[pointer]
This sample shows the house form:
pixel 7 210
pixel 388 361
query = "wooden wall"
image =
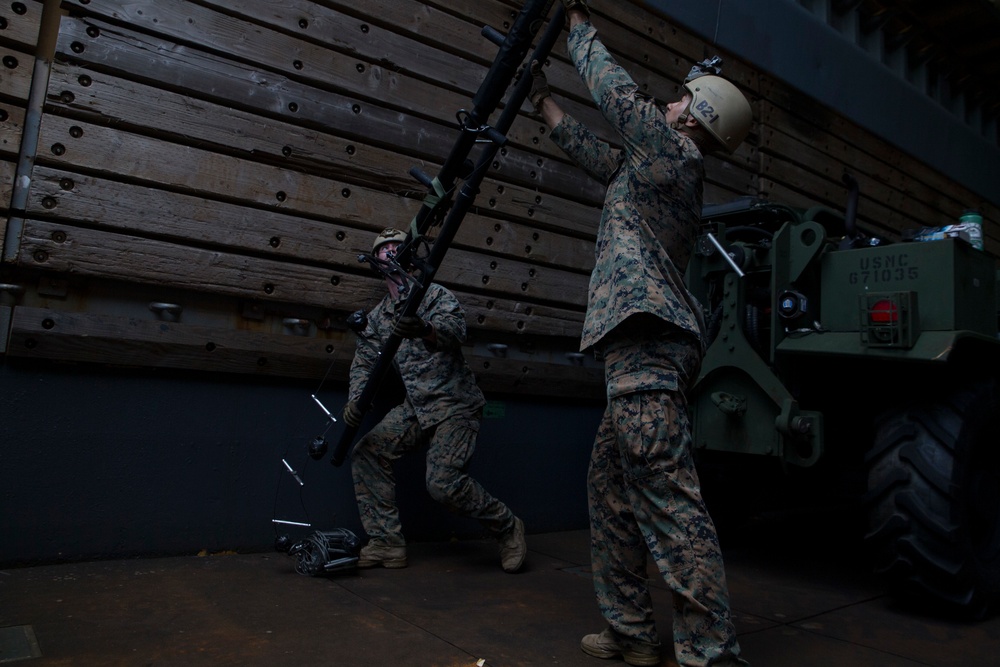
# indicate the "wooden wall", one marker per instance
pixel 207 171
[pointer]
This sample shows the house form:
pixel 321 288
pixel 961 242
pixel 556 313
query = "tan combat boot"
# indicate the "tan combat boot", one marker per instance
pixel 513 548
pixel 606 645
pixel 374 554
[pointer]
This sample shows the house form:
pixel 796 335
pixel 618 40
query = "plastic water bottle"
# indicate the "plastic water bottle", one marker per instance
pixel 972 223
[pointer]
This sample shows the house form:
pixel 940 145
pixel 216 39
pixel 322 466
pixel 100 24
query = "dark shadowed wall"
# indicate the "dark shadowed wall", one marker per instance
pixel 109 464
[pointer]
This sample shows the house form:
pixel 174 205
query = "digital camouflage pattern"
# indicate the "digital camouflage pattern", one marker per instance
pixel 653 204
pixel 643 491
pixel 438 381
pixel 645 354
pixel 644 497
pixel 441 411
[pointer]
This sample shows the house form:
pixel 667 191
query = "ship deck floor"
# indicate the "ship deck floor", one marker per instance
pixel 797 600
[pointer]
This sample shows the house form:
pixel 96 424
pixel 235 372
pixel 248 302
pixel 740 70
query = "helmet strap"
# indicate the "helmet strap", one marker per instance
pixel 681 122
pixel 683 118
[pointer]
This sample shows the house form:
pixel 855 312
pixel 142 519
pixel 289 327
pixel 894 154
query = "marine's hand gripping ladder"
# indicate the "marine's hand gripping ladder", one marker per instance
pixel 474 127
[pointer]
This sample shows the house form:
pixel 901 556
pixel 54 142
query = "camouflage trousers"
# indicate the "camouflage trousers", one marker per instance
pixel 645 499
pixel 450 446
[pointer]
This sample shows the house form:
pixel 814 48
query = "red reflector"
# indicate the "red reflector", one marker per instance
pixel 883 311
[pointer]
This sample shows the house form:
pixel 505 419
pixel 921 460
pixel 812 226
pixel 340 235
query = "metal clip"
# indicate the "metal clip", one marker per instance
pixel 497 349
pixel 166 311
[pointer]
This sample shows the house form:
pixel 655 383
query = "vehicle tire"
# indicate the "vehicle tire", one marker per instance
pixel 934 501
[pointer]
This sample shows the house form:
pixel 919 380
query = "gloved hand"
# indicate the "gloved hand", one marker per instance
pixel 576 4
pixel 352 415
pixel 539 85
pixel 412 326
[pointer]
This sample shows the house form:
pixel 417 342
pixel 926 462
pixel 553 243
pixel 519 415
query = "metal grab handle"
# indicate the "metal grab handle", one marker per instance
pixel 725 254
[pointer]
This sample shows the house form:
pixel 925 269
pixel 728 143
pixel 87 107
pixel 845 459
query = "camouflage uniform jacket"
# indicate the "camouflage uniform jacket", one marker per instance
pixel 439 383
pixel 653 203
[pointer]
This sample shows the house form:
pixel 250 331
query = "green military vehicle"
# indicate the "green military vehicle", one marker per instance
pixel 831 348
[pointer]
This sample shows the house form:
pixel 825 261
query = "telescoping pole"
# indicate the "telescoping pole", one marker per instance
pixel 505 67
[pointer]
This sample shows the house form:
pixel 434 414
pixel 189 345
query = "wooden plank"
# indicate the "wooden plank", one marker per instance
pixel 78 199
pixel 238 40
pixel 881 206
pixel 563 78
pixel 403 37
pixel 618 17
pixel 351 57
pixel 95 148
pixel 11 128
pixel 542 177
pixel 66 143
pixel 86 252
pixel 508 278
pixel 660 29
pixel 725 174
pixel 881 220
pixel 109 100
pixel 527 378
pixel 657 56
pixel 159 262
pixel 55 247
pixel 453 29
pixel 544 210
pixel 822 125
pixel 888 209
pixel 238 86
pixel 133 55
pixel 520 317
pixel 734 176
pixel 20 22
pixel 645 46
pixel 219 147
pixel 45 333
pixel 405 56
pixel 7 171
pixel 815 122
pixel 15 77
pixel 81 199
pixel 449 52
pixel 11 131
pixel 780 192
pixel 135 105
pixel 881 181
pixel 498 238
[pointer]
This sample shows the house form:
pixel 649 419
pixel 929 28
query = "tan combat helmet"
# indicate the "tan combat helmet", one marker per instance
pixel 387 235
pixel 720 108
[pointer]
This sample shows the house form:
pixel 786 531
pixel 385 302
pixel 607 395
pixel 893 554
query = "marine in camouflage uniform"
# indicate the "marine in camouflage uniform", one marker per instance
pixel 441 411
pixel 643 491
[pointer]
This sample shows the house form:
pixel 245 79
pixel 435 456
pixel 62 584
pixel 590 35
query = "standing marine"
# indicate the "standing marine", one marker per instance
pixel 643 490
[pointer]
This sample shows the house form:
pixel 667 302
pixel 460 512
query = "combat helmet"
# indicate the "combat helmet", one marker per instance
pixel 387 235
pixel 717 104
